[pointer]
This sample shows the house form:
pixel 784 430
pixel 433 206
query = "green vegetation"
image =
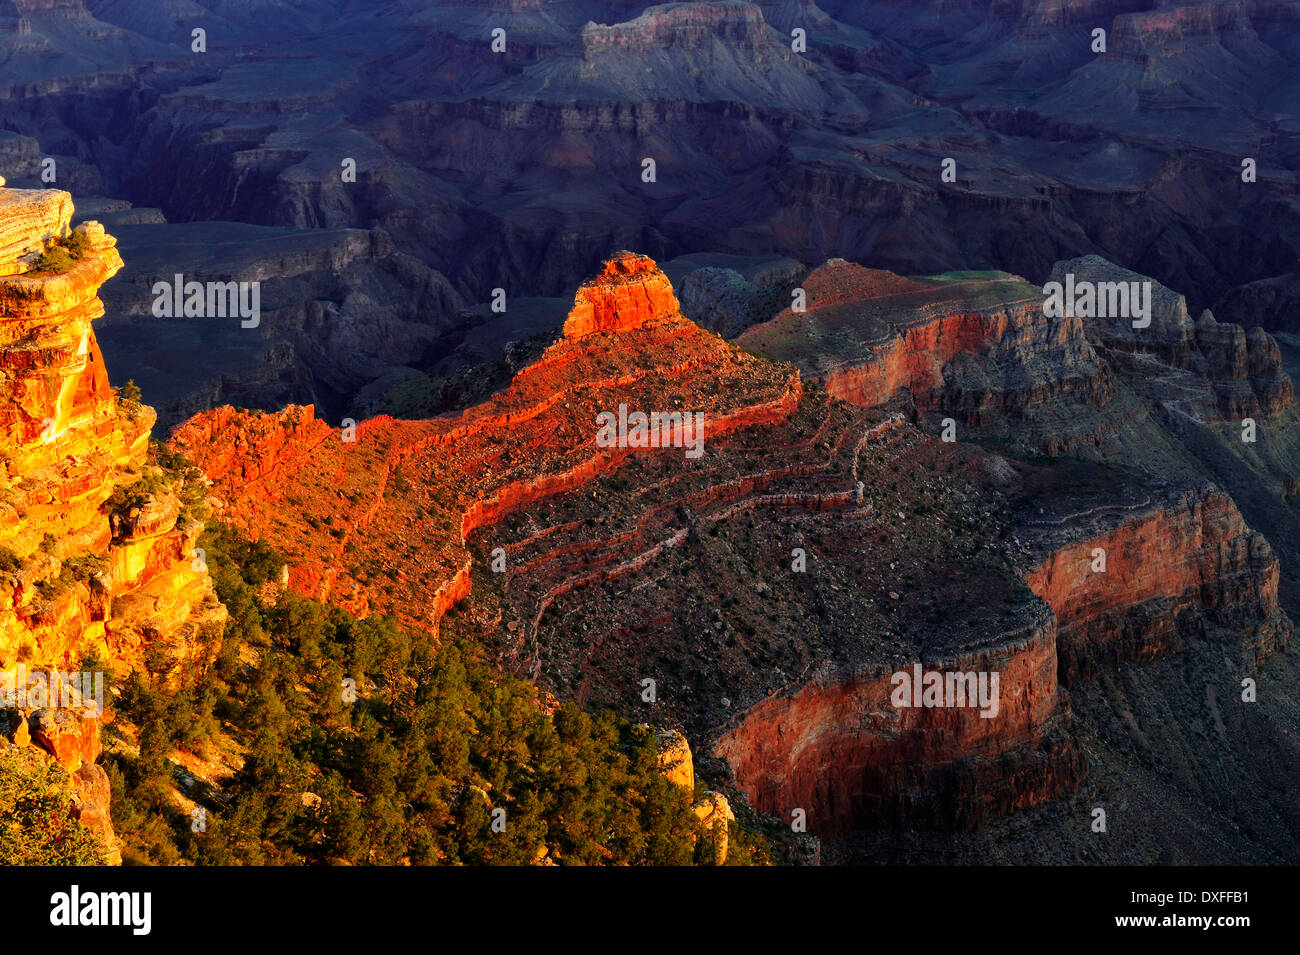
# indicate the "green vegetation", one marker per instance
pixel 9 561
pixel 412 769
pixel 167 472
pixel 127 497
pixel 36 821
pixel 187 481
pixel 62 254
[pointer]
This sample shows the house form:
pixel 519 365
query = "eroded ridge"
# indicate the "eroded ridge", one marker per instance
pixel 380 523
pixel 973 346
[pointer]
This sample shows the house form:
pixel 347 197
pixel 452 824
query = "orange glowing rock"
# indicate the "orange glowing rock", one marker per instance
pixel 66 444
pixel 380 523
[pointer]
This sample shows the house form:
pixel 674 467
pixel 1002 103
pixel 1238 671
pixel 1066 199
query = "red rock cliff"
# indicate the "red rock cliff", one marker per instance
pixel 1190 564
pixel 973 346
pixel 406 495
pixel 840 750
pixel 84 570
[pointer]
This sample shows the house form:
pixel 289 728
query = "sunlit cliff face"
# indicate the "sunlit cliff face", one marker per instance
pixel 367 496
pixel 67 444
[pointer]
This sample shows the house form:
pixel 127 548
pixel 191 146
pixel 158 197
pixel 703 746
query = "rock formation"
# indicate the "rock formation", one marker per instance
pixel 774 588
pixel 712 808
pixel 1173 396
pixel 675 760
pixel 715 816
pixel 1129 579
pixel 1178 564
pixel 630 292
pixel 975 347
pixel 97 560
pixel 980 348
pixel 1238 372
pixel 341 505
pixel 27 221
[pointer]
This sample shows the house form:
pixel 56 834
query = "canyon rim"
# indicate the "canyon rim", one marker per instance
pixel 539 433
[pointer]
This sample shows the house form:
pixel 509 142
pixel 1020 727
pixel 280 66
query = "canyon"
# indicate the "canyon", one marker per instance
pixel 825 540
pixel 907 461
pixel 520 170
pixel 768 590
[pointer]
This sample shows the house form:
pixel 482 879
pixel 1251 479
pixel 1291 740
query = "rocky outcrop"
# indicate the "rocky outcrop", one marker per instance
pixel 675 760
pixel 96 560
pixel 93 795
pixel 1133 581
pixel 974 347
pixel 666 41
pixel 716 817
pixel 29 220
pixel 841 750
pixel 67 735
pixel 79 560
pixel 681 25
pixel 1147 36
pixel 630 292
pixel 1238 371
pixel 332 503
pixel 71 739
pixel 712 809
pixel 986 351
pixel 263 444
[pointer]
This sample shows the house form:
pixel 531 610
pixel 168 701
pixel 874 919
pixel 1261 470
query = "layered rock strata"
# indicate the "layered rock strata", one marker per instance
pixel 1214 371
pixel 343 505
pixel 96 560
pixel 974 347
pixel 772 588
pixel 1131 580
